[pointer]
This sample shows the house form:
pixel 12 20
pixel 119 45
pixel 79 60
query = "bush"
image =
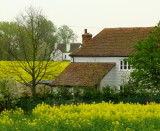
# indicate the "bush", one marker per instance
pixel 140 100
pixel 128 90
pixel 27 104
pixel 43 92
pixel 91 93
pixel 63 93
pixel 77 92
pixel 10 93
pixel 110 94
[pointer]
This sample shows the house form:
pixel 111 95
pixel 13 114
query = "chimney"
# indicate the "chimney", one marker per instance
pixel 86 37
pixel 68 47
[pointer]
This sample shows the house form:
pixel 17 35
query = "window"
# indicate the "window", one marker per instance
pixel 121 88
pixel 121 65
pixel 129 67
pixel 124 65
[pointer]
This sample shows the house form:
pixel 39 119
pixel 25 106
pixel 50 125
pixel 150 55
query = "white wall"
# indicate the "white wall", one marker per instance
pixel 56 55
pixel 66 56
pixel 115 77
pixel 59 56
pixel 68 47
pixel 99 59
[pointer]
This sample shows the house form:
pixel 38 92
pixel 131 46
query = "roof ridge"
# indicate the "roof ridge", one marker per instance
pixel 129 27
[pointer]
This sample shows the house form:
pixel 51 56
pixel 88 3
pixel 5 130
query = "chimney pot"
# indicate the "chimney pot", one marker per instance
pixel 86 37
pixel 85 31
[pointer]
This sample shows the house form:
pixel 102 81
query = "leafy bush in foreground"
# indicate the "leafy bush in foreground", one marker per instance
pixel 84 117
pixel 9 93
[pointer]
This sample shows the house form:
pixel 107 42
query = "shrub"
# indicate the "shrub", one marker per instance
pixel 63 93
pixel 128 90
pixel 77 92
pixel 10 93
pixel 109 93
pixel 43 91
pixel 91 93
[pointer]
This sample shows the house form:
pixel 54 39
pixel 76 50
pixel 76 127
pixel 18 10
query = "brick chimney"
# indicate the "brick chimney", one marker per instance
pixel 86 37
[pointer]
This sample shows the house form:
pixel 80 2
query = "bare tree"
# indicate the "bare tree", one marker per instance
pixel 35 41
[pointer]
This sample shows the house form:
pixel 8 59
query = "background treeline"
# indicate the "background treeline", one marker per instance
pixel 17 37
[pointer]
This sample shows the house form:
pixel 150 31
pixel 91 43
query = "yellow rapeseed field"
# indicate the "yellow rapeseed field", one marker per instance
pixel 84 117
pixel 7 68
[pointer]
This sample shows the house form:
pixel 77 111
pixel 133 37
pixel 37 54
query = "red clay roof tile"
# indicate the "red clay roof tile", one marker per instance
pixel 113 42
pixel 83 74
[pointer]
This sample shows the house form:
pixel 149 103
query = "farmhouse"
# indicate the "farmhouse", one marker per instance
pixel 101 59
pixel 62 51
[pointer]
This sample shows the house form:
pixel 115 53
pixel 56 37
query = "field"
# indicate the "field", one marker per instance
pixel 11 68
pixel 84 117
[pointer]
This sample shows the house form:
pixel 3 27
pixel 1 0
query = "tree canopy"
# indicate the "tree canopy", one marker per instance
pixel 66 35
pixel 146 61
pixel 8 37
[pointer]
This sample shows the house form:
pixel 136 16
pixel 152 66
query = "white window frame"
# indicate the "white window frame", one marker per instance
pixel 123 65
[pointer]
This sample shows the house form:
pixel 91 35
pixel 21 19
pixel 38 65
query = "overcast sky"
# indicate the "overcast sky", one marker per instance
pixel 91 14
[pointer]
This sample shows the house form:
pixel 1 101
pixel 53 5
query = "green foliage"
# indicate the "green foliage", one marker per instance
pixel 146 61
pixel 77 92
pixel 43 92
pixel 91 93
pixel 9 92
pixel 108 93
pixel 8 36
pixel 63 93
pixel 65 34
pixel 128 90
pixel 27 104
pixel 36 36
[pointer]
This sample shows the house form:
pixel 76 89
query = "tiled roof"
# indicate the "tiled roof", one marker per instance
pixel 113 42
pixel 73 46
pixel 83 74
pixel 62 47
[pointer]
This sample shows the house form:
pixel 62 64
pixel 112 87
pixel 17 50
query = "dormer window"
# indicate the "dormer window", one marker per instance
pixel 124 65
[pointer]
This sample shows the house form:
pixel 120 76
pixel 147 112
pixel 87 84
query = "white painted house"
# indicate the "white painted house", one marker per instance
pixel 62 51
pixel 101 60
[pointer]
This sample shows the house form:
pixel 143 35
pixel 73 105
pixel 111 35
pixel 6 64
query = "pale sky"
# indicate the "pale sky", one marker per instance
pixel 93 15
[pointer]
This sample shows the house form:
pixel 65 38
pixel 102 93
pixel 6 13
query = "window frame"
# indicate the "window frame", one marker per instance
pixel 124 65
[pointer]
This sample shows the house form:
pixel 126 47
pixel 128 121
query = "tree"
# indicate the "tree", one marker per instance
pixel 35 41
pixel 8 35
pixel 146 61
pixel 65 35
